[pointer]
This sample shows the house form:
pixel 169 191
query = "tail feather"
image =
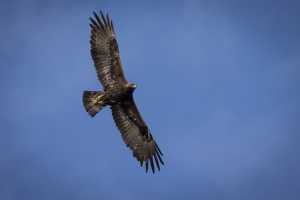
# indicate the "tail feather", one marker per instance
pixel 90 102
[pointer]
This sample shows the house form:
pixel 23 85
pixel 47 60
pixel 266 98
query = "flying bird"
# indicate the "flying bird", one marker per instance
pixel 118 94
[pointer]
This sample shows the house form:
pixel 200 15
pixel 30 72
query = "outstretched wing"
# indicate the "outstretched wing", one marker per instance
pixel 105 52
pixel 136 134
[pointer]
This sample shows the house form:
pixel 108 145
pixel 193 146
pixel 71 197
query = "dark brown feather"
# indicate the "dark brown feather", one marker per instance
pixel 98 19
pixel 112 26
pixel 107 18
pixel 103 18
pixel 136 134
pixel 147 163
pixel 157 163
pixel 105 53
pixel 93 22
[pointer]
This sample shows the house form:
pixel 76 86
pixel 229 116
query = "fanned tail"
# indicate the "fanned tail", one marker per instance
pixel 92 102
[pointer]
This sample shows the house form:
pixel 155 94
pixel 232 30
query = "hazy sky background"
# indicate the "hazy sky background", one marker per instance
pixel 218 83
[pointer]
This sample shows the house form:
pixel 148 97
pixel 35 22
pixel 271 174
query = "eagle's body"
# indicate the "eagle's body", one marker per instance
pixel 118 94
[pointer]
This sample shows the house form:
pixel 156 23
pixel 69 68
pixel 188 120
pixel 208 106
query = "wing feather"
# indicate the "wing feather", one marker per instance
pixel 147 163
pixel 107 18
pixel 112 26
pixel 103 18
pixel 157 163
pixel 136 134
pixel 98 19
pixel 105 52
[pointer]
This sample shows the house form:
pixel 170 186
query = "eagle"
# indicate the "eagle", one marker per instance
pixel 118 94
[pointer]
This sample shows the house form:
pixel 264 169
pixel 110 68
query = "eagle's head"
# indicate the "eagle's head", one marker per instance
pixel 131 86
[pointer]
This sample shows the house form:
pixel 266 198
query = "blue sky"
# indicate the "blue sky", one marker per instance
pixel 217 84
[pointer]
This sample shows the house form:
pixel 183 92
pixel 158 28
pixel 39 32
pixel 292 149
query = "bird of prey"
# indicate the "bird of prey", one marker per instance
pixel 118 94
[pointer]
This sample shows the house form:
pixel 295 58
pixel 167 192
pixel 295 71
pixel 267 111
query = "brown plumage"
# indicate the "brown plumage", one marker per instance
pixel 118 94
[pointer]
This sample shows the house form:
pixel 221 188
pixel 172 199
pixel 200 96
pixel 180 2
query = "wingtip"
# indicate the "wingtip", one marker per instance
pixel 141 163
pixel 146 164
pixel 103 18
pixel 152 165
pixel 95 14
pixel 93 21
pixel 156 161
pixel 160 158
pixel 107 19
pixel 158 149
